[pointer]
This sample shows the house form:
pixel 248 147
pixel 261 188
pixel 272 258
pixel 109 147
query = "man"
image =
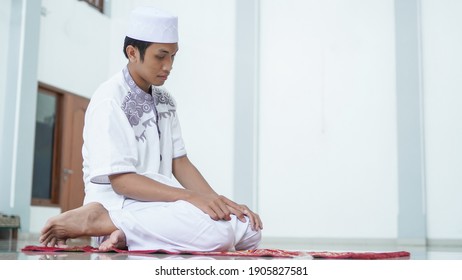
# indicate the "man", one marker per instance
pixel 132 146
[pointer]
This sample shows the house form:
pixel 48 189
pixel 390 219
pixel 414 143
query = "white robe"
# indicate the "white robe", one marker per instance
pixel 129 130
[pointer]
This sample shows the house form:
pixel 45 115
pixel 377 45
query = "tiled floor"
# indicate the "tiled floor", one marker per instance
pixel 11 250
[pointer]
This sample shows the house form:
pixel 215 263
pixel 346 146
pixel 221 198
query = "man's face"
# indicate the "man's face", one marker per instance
pixel 156 66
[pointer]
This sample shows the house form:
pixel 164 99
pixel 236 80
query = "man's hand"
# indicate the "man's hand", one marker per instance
pixel 205 198
pixel 219 207
pixel 241 210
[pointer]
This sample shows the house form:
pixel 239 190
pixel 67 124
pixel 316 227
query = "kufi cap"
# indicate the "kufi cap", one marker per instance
pixel 153 25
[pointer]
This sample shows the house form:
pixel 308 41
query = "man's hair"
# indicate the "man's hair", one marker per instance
pixel 140 45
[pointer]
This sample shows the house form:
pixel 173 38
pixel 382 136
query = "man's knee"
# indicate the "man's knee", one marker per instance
pixel 224 240
pixel 249 241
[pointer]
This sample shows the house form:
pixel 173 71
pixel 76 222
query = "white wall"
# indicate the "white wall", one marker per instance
pixel 442 72
pixel 327 119
pixel 4 33
pixel 74 44
pixel 203 84
pixel 18 108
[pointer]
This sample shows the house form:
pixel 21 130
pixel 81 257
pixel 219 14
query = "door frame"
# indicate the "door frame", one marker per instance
pixel 62 149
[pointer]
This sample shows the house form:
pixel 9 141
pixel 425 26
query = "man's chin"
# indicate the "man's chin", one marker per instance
pixel 158 84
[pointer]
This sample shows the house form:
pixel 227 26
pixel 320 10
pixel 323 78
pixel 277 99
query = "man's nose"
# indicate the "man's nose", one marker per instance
pixel 168 65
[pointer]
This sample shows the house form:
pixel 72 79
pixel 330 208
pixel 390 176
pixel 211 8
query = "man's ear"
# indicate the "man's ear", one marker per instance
pixel 132 53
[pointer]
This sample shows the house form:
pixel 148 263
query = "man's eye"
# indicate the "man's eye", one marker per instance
pixel 160 57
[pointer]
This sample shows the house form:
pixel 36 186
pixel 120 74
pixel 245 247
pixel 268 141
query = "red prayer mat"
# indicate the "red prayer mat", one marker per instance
pixel 274 253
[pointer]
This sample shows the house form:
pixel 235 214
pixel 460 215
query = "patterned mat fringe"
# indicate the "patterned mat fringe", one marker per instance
pixel 274 253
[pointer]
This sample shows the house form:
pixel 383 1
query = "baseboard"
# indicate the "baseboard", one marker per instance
pixel 329 241
pixel 398 242
pixel 437 242
pixel 412 241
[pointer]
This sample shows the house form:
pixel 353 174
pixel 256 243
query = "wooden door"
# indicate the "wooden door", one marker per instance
pixel 72 186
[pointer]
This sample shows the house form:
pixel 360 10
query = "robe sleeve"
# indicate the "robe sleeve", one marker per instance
pixel 179 149
pixel 110 142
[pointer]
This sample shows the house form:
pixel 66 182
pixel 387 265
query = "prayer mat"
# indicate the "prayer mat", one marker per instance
pixel 274 253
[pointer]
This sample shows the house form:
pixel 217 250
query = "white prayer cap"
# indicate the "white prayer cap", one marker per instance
pixel 153 25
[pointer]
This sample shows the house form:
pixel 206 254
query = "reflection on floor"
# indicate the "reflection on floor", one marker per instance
pixel 10 249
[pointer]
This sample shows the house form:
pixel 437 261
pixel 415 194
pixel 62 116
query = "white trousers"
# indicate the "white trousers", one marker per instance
pixel 180 226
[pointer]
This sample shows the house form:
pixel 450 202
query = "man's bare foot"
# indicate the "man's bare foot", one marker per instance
pixel 87 220
pixel 116 240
